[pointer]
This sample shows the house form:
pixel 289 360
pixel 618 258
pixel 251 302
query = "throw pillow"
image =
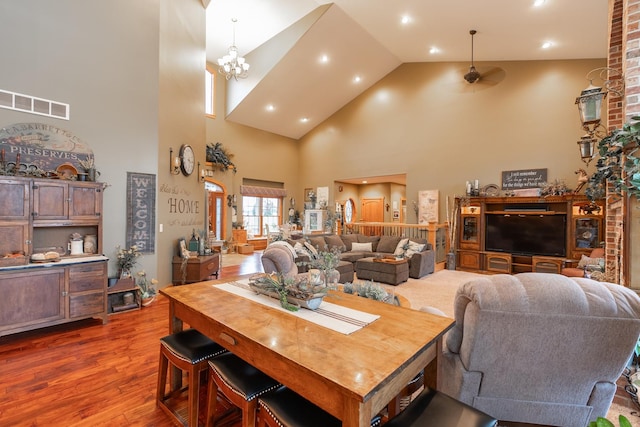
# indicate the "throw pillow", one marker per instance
pixel 586 261
pixel 388 244
pixel 366 239
pixel 318 243
pixel 361 247
pixel 413 248
pixel 312 250
pixel 334 241
pixel 301 250
pixel 348 240
pixel 401 248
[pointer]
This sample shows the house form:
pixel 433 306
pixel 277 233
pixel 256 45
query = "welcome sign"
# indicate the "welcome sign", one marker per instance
pixel 141 211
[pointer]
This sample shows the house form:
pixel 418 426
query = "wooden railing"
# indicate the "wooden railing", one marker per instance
pixel 436 234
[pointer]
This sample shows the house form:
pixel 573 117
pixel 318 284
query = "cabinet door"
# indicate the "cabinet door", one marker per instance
pixel 87 289
pixel 50 200
pixel 85 201
pixel 470 232
pixel 31 297
pixel 14 237
pixel 14 195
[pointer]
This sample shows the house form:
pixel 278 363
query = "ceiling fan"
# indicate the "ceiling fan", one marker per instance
pixel 473 75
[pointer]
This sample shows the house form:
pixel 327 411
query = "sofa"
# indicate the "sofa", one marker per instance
pixel 539 348
pixel 419 252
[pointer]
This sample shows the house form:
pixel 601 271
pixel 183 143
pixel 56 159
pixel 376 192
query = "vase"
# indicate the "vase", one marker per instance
pixel 331 277
pixel 451 261
pixel 125 273
pixel 147 301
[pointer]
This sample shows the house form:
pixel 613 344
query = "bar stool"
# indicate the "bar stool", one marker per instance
pixel 403 399
pixel 240 383
pixel 285 408
pixel 432 408
pixel 186 350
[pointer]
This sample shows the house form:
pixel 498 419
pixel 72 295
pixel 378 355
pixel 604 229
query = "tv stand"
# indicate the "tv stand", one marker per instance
pixel 584 232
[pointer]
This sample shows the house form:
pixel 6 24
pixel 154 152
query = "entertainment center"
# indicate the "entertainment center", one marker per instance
pixel 523 234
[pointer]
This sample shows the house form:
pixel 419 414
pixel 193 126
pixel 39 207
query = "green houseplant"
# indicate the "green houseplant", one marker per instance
pixel 618 164
pixel 603 422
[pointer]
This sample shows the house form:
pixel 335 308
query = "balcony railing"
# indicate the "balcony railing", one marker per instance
pixel 436 234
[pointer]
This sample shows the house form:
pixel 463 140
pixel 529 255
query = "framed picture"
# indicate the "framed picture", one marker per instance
pixel 183 252
pixel 396 213
pixel 308 192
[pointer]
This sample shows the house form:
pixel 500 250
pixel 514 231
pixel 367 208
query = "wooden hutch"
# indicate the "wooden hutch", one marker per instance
pixel 583 230
pixel 38 215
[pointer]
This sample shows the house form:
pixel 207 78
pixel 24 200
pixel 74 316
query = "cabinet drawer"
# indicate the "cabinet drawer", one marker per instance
pixel 87 277
pixel 86 304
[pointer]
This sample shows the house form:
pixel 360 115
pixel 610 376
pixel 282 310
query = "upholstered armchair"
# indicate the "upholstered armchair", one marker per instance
pixel 279 257
pixel 539 348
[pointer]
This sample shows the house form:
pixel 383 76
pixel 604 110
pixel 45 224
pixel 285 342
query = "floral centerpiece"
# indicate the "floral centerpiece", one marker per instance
pixel 371 290
pixel 146 287
pixel 126 260
pixel 292 292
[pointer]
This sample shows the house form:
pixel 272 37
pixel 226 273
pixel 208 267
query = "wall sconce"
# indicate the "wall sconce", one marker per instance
pixel 586 145
pixel 174 163
pixel 231 200
pixel 590 107
pixel 201 173
pixel 292 202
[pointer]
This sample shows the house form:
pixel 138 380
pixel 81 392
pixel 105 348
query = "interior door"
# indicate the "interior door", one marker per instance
pixel 372 211
pixel 216 209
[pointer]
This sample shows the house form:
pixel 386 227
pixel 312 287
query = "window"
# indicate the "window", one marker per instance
pixel 348 211
pixel 261 214
pixel 209 92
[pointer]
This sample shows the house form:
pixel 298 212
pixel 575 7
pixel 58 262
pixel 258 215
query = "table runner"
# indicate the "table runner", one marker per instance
pixel 332 316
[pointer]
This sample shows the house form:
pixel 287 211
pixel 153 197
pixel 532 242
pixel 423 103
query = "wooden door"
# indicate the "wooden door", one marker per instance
pixel 216 209
pixel 372 211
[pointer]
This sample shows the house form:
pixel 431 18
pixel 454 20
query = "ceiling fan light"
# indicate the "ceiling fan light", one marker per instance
pixel 472 76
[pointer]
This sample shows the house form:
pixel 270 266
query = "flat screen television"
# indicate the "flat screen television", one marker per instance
pixel 526 234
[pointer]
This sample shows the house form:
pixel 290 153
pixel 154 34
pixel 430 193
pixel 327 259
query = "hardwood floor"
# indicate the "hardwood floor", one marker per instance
pixel 88 374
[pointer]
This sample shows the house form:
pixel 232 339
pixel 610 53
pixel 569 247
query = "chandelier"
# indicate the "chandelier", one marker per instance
pixel 232 64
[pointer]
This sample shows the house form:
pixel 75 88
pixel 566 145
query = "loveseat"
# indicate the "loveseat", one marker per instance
pixel 539 348
pixel 353 247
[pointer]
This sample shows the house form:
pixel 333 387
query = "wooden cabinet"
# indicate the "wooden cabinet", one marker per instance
pixel 239 236
pixel 116 302
pixel 39 215
pixel 49 294
pixel 199 268
pixel 523 234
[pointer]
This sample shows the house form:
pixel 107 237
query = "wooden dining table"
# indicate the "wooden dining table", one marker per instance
pixel 352 376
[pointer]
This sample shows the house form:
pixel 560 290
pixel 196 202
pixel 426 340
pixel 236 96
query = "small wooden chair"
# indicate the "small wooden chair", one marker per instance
pixel 187 350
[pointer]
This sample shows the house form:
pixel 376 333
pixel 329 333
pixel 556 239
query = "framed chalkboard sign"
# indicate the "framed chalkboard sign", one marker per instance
pixel 525 178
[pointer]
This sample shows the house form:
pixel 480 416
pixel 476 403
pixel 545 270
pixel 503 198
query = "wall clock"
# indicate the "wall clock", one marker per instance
pixel 187 159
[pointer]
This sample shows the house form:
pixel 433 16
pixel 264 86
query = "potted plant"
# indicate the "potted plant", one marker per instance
pixel 603 422
pixel 146 288
pixel 126 259
pixel 89 167
pixel 326 262
pixel 618 164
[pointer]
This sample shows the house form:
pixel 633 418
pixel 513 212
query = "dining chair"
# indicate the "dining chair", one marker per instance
pixel 188 351
pixel 240 383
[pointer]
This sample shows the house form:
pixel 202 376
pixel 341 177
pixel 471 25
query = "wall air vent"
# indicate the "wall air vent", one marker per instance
pixel 31 104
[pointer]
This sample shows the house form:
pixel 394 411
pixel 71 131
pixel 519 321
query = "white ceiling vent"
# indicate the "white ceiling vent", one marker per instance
pixel 31 104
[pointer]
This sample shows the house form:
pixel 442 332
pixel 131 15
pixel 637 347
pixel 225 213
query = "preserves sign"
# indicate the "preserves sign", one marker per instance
pixel 526 178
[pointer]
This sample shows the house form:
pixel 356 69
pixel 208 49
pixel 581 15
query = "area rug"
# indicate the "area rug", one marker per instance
pixel 229 260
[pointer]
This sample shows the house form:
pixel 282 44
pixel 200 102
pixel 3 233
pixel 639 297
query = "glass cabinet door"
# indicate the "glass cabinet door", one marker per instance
pixel 587 232
pixel 469 229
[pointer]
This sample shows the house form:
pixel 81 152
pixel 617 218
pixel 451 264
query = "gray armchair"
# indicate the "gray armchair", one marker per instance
pixel 539 348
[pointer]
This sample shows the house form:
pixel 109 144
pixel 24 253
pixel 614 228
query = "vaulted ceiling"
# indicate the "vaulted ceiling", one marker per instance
pixel 285 42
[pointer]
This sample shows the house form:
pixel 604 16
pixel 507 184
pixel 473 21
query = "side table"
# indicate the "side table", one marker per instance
pixel 199 268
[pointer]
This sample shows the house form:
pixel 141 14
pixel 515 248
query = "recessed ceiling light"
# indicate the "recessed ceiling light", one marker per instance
pixel 538 3
pixel 304 119
pixel 357 79
pixel 270 107
pixel 547 45
pixel 324 59
pixel 405 19
pixel 434 50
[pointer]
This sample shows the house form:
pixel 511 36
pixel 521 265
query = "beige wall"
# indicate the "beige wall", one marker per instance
pixel 423 120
